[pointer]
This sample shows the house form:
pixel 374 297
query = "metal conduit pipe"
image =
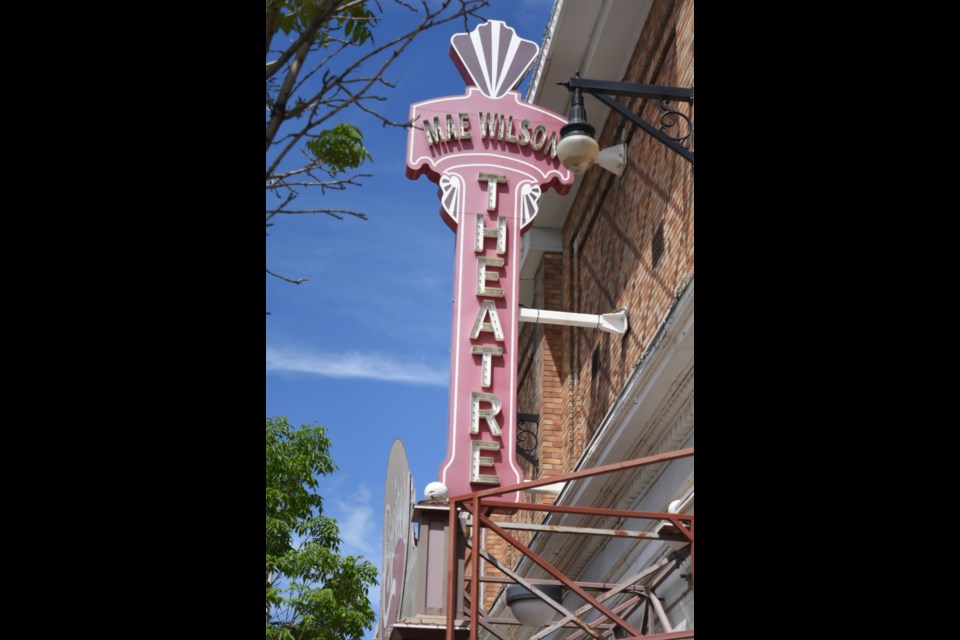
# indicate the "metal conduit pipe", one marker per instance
pixel 615 322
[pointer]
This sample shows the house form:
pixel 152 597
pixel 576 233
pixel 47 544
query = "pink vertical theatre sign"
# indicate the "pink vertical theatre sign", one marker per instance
pixel 491 154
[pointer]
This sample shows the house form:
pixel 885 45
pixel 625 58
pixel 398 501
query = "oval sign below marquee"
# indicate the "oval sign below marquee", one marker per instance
pixel 398 500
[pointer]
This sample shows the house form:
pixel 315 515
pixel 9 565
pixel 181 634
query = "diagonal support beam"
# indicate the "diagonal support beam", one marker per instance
pixel 661 614
pixel 675 635
pixel 576 475
pixel 687 533
pixel 627 606
pixel 483 620
pixel 533 589
pixel 549 568
pixel 674 560
pixel 609 594
pixel 675 146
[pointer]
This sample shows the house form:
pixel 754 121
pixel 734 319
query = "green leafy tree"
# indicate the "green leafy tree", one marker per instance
pixel 321 59
pixel 312 591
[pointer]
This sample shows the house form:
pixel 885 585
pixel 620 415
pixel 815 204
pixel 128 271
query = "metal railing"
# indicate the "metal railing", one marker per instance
pixel 479 505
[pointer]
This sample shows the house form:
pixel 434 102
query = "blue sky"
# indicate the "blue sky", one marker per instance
pixel 363 347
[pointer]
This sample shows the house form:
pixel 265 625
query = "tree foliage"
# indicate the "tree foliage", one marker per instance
pixel 322 57
pixel 312 592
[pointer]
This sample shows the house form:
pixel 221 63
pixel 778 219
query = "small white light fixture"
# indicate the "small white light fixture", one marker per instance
pixel 528 608
pixel 435 491
pixel 613 159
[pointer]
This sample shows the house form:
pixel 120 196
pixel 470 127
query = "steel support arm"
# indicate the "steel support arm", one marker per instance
pixel 646 126
pixel 631 89
pixel 615 322
pixel 602 90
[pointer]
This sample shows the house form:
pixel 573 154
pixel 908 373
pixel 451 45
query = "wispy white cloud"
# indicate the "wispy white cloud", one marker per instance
pixel 369 366
pixel 358 529
pixel 360 532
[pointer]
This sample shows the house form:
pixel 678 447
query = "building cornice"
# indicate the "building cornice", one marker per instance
pixel 654 412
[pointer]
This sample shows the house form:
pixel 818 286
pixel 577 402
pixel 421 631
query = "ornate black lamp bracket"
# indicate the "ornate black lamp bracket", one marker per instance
pixel 527 437
pixel 675 128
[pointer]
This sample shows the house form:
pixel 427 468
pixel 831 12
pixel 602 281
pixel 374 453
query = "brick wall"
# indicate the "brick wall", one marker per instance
pixel 618 224
pixel 571 376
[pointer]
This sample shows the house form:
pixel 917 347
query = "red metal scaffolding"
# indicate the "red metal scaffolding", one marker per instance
pixel 479 505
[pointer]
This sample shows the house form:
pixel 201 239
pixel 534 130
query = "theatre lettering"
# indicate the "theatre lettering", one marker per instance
pixel 495 126
pixel 491 154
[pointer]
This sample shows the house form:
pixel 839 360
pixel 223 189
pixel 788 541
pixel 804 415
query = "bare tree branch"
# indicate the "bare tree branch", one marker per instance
pixel 323 15
pixel 322 64
pixel 281 180
pixel 329 212
pixel 431 19
pixel 286 279
pixel 325 60
pixel 278 111
pixel 386 121
pixel 337 185
pixel 290 196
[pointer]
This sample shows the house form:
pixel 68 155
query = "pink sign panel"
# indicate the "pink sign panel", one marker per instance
pixel 491 155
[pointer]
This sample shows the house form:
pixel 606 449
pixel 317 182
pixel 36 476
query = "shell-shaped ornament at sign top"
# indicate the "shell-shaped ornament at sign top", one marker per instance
pixel 493 57
pixel 450 186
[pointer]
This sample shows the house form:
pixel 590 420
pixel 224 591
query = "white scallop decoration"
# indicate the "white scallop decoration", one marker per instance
pixel 450 187
pixel 529 203
pixel 493 57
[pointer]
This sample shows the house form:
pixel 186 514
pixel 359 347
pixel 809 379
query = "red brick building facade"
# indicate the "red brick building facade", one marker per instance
pixel 616 242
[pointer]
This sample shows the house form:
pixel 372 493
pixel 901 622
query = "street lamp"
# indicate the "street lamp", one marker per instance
pixel 577 149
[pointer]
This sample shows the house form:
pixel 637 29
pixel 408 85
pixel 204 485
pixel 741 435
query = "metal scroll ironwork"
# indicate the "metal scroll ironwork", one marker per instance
pixel 671 118
pixel 527 437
